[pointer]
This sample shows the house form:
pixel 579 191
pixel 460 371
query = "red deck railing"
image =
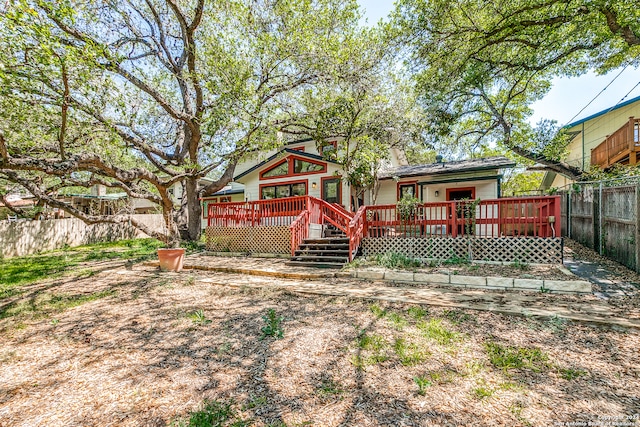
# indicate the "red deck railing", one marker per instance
pixel 521 216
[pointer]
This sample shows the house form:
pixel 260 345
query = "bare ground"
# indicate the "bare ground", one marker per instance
pixel 136 358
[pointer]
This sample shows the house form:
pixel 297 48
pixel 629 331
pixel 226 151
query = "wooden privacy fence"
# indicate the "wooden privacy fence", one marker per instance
pixel 604 217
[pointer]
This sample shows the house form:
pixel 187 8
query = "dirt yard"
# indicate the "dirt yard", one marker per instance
pixel 135 347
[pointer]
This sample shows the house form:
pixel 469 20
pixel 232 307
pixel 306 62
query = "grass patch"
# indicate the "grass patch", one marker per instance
pixel 571 374
pixel 378 311
pixel 212 414
pixel 19 271
pixel 329 387
pixel 436 331
pixel 45 304
pixel 397 321
pixel 410 354
pixel 417 313
pixel 457 317
pixel 374 343
pixel 482 392
pixel 508 357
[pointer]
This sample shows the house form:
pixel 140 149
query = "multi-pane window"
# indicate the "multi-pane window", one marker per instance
pixel 283 190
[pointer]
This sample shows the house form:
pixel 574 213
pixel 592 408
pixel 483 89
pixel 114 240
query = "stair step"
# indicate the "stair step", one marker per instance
pixel 336 246
pixel 336 252
pixel 327 240
pixel 330 258
pixel 314 264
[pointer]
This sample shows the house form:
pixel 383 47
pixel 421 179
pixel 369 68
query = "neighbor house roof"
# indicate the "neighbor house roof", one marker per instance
pixel 448 167
pixel 278 155
pixel 600 113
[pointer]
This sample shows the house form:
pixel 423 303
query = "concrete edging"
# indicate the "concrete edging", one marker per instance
pixel 474 282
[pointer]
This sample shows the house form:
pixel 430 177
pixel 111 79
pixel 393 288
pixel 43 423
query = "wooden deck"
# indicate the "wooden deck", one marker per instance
pixel 621 147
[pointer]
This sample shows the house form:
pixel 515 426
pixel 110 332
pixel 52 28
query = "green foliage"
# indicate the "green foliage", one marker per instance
pixel 273 327
pixel 397 320
pixel 46 304
pixel 407 206
pixel 409 354
pixel 436 331
pixel 571 374
pixel 397 260
pixel 213 414
pixel 423 383
pixel 198 317
pixel 521 265
pixel 456 316
pixel 508 357
pixel 417 313
pixel 378 311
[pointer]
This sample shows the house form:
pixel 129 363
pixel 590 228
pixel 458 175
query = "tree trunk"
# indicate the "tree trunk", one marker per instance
pixel 194 209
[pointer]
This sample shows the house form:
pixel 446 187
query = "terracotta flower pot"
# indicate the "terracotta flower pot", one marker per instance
pixel 171 259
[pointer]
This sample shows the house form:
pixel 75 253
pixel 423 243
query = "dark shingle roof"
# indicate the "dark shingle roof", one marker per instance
pixel 448 167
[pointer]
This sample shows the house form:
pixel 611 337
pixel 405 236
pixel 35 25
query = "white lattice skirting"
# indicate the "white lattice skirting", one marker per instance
pixel 262 239
pixel 499 249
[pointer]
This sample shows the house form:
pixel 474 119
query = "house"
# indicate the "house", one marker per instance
pixel 300 169
pixel 603 139
pixel 297 202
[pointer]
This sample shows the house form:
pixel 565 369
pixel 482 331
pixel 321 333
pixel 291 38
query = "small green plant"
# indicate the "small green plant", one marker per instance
pixel 397 321
pixel 571 374
pixel 520 265
pixel 455 260
pixel 329 387
pixel 544 290
pixel 191 280
pixel 198 317
pixel 508 357
pixel 254 402
pixel 434 330
pixel 482 392
pixel 273 327
pixel 443 376
pixel 417 313
pixel 407 206
pixel 373 342
pixel 212 414
pixel 423 383
pixel 474 367
pixel 378 311
pixel 409 354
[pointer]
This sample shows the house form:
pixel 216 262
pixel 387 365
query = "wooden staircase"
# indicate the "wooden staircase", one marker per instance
pixel 330 251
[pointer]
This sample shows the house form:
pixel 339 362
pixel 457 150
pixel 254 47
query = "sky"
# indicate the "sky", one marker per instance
pixel 568 95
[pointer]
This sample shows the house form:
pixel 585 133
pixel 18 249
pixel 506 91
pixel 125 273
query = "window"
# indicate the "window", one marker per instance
pixel 301 166
pixel 226 199
pixel 283 190
pixel 293 165
pixel 279 170
pixel 407 190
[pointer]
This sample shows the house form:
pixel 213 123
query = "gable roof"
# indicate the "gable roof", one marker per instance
pixel 278 155
pixel 600 113
pixel 448 167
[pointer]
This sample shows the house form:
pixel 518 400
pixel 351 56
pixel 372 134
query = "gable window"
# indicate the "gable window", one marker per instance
pixel 294 165
pixel 302 166
pixel 278 191
pixel 281 169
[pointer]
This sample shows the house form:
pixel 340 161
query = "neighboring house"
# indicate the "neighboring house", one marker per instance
pixel 602 139
pixel 300 169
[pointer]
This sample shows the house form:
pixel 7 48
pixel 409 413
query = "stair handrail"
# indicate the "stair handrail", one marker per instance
pixel 356 231
pixel 299 229
pixel 343 210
